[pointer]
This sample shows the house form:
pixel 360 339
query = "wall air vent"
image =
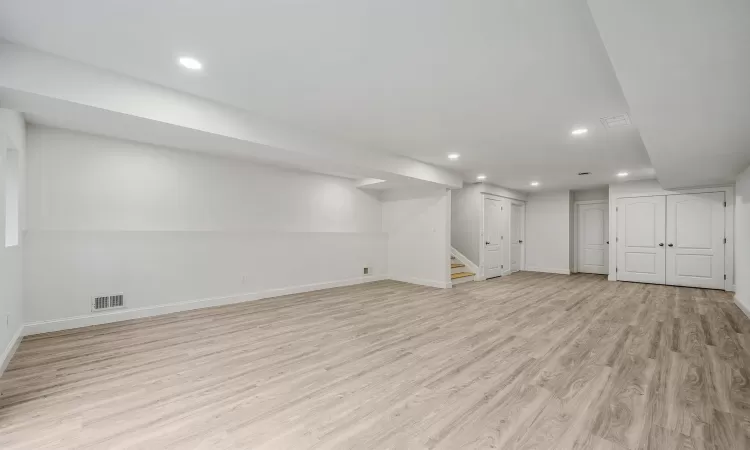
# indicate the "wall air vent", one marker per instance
pixel 623 120
pixel 106 302
pixel 584 173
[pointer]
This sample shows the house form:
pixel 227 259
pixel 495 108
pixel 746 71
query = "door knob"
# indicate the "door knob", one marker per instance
pixel 671 245
pixel 661 245
pixel 520 242
pixel 607 242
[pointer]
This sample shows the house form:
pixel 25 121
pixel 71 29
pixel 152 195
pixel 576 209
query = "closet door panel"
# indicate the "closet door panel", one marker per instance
pixel 641 239
pixel 695 240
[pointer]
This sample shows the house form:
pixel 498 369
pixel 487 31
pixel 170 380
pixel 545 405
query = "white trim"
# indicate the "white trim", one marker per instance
pixel 576 206
pixel 539 269
pixel 10 349
pixel 422 282
pixel 522 204
pixel 47 326
pixel 728 222
pixel 464 260
pixel 742 306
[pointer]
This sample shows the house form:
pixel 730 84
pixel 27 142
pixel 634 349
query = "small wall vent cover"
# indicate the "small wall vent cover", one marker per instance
pixel 106 302
pixel 622 120
pixel 366 271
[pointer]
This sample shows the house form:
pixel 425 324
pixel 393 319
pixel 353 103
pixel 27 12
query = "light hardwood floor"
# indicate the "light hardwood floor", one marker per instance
pixel 527 361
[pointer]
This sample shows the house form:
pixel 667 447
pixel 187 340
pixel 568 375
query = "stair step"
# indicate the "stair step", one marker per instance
pixel 456 265
pixel 461 275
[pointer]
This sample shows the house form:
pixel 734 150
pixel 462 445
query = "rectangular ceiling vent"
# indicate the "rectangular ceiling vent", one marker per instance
pixel 106 302
pixel 623 120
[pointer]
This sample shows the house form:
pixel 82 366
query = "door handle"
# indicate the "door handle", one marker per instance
pixel 486 242
pixel 661 245
pixel 520 242
pixel 671 245
pixel 607 242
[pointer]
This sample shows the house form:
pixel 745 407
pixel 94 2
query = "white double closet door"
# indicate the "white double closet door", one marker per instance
pixel 672 239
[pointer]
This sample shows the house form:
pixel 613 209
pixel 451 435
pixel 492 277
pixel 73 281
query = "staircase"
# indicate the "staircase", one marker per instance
pixel 459 273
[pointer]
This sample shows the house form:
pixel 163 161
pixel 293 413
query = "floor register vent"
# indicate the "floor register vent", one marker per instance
pixel 107 302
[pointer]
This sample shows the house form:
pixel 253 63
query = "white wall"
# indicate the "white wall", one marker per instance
pixel 165 226
pixel 742 240
pixel 418 223
pixel 466 217
pixel 548 232
pixel 591 194
pixel 12 135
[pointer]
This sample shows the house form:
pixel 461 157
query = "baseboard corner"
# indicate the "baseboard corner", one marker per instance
pixel 743 307
pixel 10 349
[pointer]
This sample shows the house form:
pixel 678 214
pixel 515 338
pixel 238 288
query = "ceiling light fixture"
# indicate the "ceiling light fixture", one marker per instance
pixel 481 177
pixel 191 63
pixel 579 131
pixel 535 183
pixel 622 174
pixel 453 156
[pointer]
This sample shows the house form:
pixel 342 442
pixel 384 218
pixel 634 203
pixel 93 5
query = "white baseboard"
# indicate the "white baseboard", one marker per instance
pixel 745 308
pixel 422 282
pixel 539 269
pixel 47 326
pixel 10 349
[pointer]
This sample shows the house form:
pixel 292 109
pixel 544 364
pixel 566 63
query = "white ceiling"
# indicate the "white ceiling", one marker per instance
pixel 684 66
pixel 501 82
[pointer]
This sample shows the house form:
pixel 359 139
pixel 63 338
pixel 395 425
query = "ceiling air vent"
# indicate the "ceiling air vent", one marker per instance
pixel 107 302
pixel 623 120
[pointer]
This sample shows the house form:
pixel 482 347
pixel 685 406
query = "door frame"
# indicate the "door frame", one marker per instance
pixel 482 275
pixel 620 191
pixel 576 206
pixel 522 263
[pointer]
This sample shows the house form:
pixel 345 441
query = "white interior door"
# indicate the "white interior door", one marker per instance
pixel 493 238
pixel 640 239
pixel 695 240
pixel 517 211
pixel 593 234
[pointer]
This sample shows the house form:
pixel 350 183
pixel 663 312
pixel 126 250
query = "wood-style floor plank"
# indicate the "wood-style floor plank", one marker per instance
pixel 528 361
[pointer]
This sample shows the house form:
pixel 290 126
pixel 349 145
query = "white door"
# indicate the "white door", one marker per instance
pixel 493 238
pixel 516 235
pixel 695 240
pixel 593 234
pixel 640 239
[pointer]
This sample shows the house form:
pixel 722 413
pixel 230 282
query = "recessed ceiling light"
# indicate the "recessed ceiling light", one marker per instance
pixel 191 63
pixel 579 131
pixel 453 156
pixel 622 174
pixel 481 177
pixel 535 183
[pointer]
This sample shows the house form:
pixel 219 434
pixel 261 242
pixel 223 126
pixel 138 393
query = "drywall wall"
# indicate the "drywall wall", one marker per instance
pixel 548 232
pixel 466 217
pixel 742 240
pixel 164 226
pixel 12 142
pixel 418 224
pixel 652 187
pixel 588 195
